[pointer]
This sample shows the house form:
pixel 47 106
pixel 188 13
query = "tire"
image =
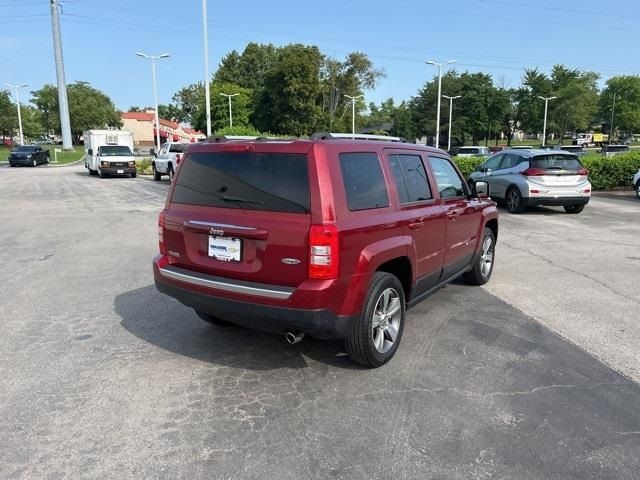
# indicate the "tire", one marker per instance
pixel 213 320
pixel 100 174
pixel 134 174
pixel 34 163
pixel 513 199
pixel 573 208
pixel 92 172
pixel 47 159
pixel 483 263
pixel 171 174
pixel 371 345
pixel 638 189
pixel 156 175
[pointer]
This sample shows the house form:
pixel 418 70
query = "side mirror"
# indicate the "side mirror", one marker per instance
pixel 90 152
pixel 482 189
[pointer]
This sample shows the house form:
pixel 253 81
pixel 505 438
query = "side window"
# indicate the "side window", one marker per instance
pixel 449 182
pixel 510 161
pixel 363 181
pixel 494 162
pixel 411 178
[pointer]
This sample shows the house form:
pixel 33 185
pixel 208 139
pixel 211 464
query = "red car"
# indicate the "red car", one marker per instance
pixel 329 237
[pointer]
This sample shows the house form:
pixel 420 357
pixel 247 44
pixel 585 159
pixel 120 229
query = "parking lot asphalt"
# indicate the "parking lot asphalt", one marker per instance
pixel 103 377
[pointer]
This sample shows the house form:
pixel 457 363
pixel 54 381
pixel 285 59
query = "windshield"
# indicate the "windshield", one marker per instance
pixel 556 162
pixel 114 151
pixel 275 182
pixel 25 149
pixel 177 147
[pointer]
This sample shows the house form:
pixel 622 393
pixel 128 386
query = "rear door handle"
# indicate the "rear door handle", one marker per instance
pixel 416 225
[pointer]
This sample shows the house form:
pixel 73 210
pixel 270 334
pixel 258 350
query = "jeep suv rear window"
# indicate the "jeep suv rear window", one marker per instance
pixel 363 181
pixel 274 182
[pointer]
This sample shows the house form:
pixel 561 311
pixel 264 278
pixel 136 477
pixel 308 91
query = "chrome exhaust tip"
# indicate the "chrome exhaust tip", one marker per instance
pixel 294 337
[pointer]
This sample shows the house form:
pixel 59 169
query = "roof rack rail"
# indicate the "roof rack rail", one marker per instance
pixel 227 138
pixel 357 136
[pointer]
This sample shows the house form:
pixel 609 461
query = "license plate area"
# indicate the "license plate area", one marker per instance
pixel 226 249
pixel 120 171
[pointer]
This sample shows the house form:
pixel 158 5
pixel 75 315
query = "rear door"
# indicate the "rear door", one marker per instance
pixel 422 216
pixel 240 213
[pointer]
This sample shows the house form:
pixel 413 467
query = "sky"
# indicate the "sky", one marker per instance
pixel 500 37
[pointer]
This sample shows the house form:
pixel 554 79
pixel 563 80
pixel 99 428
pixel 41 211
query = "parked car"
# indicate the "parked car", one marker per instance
pixel 496 148
pixel 612 150
pixel 28 156
pixel 535 177
pixel 575 149
pixel 636 183
pixel 522 147
pixel 332 238
pixel 168 159
pixel 473 151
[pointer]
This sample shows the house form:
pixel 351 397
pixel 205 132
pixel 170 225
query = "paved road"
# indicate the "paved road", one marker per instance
pixel 102 377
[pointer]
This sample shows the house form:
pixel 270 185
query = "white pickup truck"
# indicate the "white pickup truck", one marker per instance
pixel 168 159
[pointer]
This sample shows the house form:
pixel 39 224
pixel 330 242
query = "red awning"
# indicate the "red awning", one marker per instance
pixel 162 133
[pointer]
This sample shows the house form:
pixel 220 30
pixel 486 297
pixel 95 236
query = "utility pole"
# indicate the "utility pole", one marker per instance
pixel 544 128
pixel 17 89
pixel 207 93
pixel 353 113
pixel 439 65
pixel 229 96
pixel 65 124
pixel 153 59
pixel 451 99
pixel 613 111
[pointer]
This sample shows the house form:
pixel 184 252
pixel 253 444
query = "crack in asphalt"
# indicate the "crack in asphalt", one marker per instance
pixel 584 275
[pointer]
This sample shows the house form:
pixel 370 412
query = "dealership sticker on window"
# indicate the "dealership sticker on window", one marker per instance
pixel 225 248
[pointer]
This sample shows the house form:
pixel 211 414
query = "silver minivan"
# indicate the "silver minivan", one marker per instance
pixel 523 178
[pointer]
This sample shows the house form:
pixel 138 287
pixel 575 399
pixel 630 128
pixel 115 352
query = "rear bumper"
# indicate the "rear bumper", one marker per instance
pixel 555 201
pixel 319 322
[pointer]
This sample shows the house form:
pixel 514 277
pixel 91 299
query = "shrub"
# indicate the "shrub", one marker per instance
pixel 467 165
pixel 609 172
pixel 144 166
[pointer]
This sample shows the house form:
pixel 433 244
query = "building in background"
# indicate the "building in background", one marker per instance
pixel 142 125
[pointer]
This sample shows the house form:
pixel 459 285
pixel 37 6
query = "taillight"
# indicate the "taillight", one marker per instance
pixel 161 233
pixel 324 256
pixel 583 172
pixel 534 172
pixel 178 158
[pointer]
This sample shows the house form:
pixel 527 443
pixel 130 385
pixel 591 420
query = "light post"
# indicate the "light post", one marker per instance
pixel 17 89
pixel 353 113
pixel 207 93
pixel 439 65
pixel 544 128
pixel 153 59
pixel 230 112
pixel 451 99
pixel 613 111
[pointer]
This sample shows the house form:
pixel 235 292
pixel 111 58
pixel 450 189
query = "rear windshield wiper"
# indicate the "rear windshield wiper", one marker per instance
pixel 230 198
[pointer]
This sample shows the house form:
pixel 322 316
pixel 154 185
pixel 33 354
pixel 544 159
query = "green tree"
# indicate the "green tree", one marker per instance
pixel 171 112
pixel 240 105
pixel 627 112
pixel 32 126
pixel 287 103
pixel 8 115
pixel 88 108
pixel 248 69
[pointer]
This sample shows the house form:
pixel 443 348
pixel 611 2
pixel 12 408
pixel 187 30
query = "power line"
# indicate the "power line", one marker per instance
pixel 573 11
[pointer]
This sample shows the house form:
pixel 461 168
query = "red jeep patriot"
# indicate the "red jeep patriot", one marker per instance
pixel 331 237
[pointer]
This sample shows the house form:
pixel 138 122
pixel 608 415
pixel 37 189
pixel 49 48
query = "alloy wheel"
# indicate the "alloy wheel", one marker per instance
pixel 486 258
pixel 513 201
pixel 387 316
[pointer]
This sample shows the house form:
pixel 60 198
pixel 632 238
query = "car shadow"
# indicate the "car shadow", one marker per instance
pixel 533 211
pixel 164 322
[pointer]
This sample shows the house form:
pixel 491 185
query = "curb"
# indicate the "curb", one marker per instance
pixel 67 164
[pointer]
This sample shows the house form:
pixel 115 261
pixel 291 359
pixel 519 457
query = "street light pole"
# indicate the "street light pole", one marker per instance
pixel 229 96
pixel 451 99
pixel 439 65
pixel 153 59
pixel 17 89
pixel 544 128
pixel 207 93
pixel 613 110
pixel 353 113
